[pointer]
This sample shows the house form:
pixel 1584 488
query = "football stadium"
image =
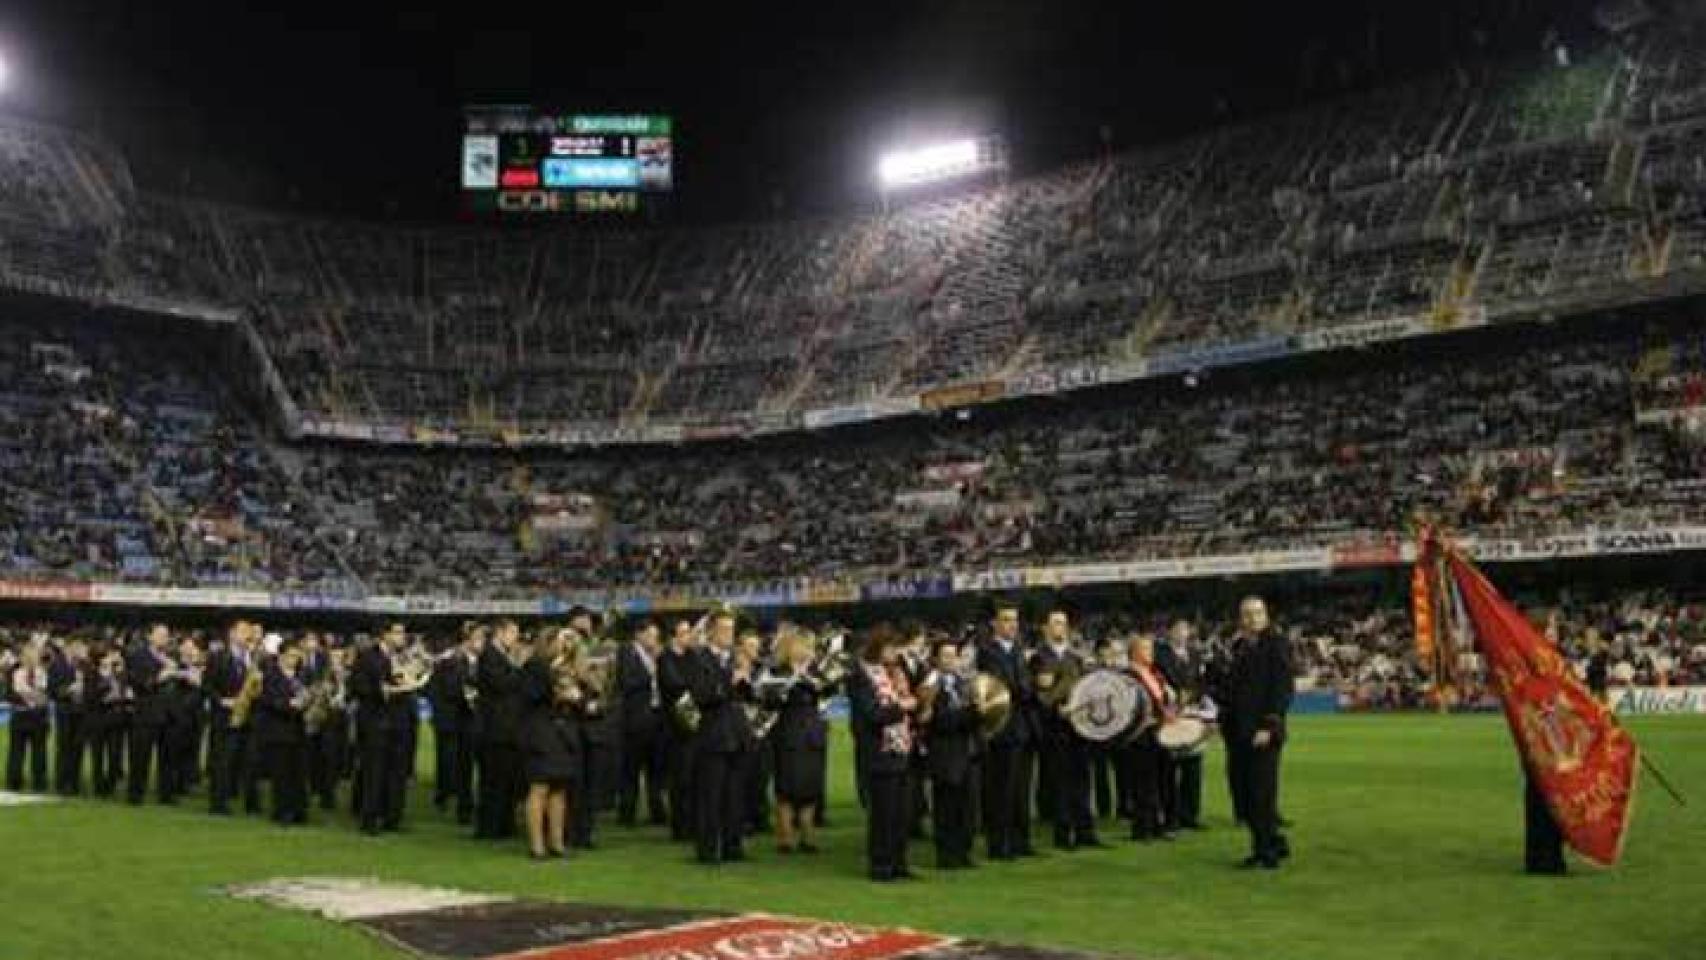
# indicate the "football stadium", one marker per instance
pixel 1208 484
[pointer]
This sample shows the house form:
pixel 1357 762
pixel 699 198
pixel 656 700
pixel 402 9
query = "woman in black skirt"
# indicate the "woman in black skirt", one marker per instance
pixel 550 737
pixel 800 741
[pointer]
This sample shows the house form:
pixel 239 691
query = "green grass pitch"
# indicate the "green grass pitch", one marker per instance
pixel 1407 837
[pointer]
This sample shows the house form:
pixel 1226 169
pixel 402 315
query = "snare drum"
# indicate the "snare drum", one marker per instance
pixel 1183 736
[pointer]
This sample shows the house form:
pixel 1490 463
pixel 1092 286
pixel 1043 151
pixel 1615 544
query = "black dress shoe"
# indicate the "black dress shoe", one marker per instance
pixel 1254 862
pixel 1094 843
pixel 905 874
pixel 1026 852
pixel 809 848
pixel 735 856
pixel 883 876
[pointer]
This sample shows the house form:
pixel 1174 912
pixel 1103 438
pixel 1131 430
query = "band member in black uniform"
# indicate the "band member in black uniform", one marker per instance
pixel 183 718
pixel 1064 757
pixel 27 742
pixel 1110 771
pixel 385 704
pixel 282 737
pixel 915 661
pixel 756 764
pixel 719 688
pixel 675 665
pixel 453 724
pixel 950 723
pixel 799 742
pixel 497 679
pixel 110 708
pixel 888 703
pixel 328 726
pixel 644 756
pixel 600 731
pixel 227 669
pixel 1181 775
pixel 1258 694
pixel 1148 761
pixel 551 740
pixel 1007 762
pixel 66 685
pixel 150 668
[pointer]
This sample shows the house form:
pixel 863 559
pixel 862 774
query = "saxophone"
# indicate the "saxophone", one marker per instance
pixel 243 704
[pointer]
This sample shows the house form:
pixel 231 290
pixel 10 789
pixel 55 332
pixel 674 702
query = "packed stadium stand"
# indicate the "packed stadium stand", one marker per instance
pixel 181 452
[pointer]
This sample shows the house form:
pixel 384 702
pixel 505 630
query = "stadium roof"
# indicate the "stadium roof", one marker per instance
pixel 353 108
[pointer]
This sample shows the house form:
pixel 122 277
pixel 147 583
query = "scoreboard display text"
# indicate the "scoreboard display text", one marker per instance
pixel 516 160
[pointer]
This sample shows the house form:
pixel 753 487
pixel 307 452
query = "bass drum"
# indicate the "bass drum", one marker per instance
pixel 1108 706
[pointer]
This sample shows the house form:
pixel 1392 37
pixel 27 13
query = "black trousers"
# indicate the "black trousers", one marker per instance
pixel 183 753
pixel 384 777
pixel 27 747
pixel 643 758
pixel 1256 773
pixel 887 819
pixel 500 774
pixel 719 805
pixel 1184 776
pixel 69 731
pixel 109 738
pixel 950 809
pixel 683 825
pixel 1543 841
pixel 1069 764
pixel 755 773
pixel 251 769
pixel 1237 783
pixel 1102 779
pixel 453 777
pixel 1006 801
pixel 590 794
pixel 287 765
pixel 219 755
pixel 148 745
pixel 1146 760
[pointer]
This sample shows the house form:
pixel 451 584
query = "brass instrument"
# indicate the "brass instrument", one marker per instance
pixel 411 668
pixel 994 703
pixel 1054 681
pixel 243 704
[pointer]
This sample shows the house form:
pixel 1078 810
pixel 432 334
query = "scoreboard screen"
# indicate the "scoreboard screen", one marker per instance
pixel 519 160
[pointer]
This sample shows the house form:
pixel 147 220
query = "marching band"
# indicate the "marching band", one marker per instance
pixel 714 733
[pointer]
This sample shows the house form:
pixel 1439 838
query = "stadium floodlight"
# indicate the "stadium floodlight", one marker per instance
pixel 5 72
pixel 941 161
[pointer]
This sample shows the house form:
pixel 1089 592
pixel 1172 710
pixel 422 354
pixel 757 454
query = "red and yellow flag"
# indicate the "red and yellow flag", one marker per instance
pixel 1573 748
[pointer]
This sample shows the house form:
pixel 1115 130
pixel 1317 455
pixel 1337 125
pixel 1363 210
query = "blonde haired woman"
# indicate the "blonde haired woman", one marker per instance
pixel 550 739
pixel 800 741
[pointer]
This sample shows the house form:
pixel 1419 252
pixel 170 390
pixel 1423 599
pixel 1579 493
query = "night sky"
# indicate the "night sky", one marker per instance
pixel 355 109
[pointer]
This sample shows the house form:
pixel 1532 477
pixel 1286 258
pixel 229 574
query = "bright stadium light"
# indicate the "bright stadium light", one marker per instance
pixel 5 72
pixel 927 163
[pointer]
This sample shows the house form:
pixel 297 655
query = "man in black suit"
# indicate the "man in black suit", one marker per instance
pixel 227 669
pixel 384 705
pixel 453 724
pixel 497 679
pixel 643 754
pixel 1063 757
pixel 675 665
pixel 65 671
pixel 1007 763
pixel 1258 694
pixel 718 686
pixel 951 731
pixel 149 669
pixel 1181 775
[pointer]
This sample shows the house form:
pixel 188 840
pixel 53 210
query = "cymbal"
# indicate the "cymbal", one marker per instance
pixel 994 704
